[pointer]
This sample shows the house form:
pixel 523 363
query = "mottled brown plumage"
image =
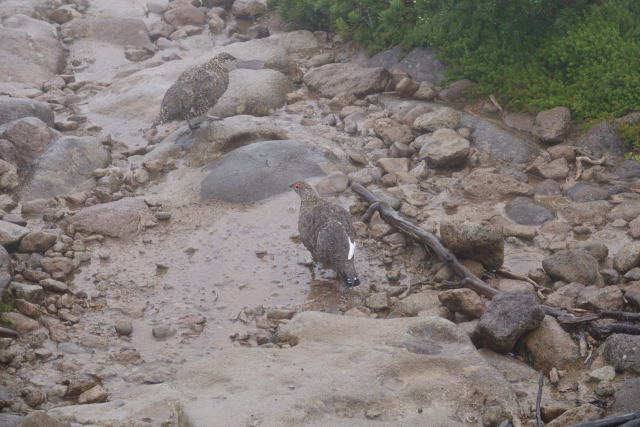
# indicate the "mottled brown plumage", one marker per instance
pixel 327 232
pixel 196 90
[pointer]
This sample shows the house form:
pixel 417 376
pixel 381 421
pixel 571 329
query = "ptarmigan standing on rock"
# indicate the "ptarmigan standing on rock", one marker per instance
pixel 196 90
pixel 326 231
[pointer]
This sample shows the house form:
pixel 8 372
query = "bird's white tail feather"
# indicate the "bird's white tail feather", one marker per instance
pixel 352 248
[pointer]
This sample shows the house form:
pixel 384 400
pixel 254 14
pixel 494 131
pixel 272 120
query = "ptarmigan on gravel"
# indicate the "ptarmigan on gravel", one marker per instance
pixel 196 90
pixel 327 232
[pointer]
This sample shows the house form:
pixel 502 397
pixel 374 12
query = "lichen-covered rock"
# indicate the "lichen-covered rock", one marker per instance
pixel 445 148
pixel 487 185
pixel 332 79
pixel 447 118
pixel 123 218
pixel 551 125
pixel 550 346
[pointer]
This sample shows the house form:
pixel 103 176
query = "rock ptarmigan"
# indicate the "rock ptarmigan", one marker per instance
pixel 196 90
pixel 326 231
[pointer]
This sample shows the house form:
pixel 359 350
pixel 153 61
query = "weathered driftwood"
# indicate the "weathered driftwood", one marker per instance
pixel 8 333
pixel 612 421
pixel 471 281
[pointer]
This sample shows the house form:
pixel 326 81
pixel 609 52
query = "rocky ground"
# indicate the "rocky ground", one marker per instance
pixel 154 277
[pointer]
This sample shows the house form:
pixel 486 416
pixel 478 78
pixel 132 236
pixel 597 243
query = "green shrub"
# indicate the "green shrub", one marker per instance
pixel 536 54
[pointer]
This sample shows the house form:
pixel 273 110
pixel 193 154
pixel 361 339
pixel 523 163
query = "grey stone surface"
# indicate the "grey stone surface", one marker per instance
pixel 66 164
pixel 16 108
pixel 260 170
pixel 525 211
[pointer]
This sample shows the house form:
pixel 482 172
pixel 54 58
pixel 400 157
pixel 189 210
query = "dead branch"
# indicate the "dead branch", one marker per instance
pixel 539 400
pixel 615 420
pixel 469 280
pixel 8 333
pixel 511 275
pixel 589 160
pixel 620 315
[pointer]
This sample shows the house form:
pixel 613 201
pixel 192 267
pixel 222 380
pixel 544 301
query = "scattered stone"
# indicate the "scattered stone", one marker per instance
pixel 610 276
pixel 627 210
pixel 627 396
pixel 556 169
pixel 426 91
pixel 11 233
pixel 16 108
pixel 565 296
pixel 551 125
pixel 587 192
pixel 122 218
pixel 163 332
pixel 37 241
pixel 520 231
pixel 394 164
pixel 123 327
pixel 458 91
pixel 416 303
pixel 248 8
pixel 54 286
pixel 55 265
pixel 40 419
pixel 463 301
pixel 606 373
pixel 627 257
pixel 25 291
pixel 550 346
pixel 573 266
pixel 599 299
pixel 391 131
pixel 442 118
pixel 507 317
pixel 332 79
pixel 444 148
pixel 378 301
pixel 605 389
pixel 623 352
pixel 478 241
pixel 598 250
pixel 602 139
pixel 185 15
pixel 79 384
pixel 581 414
pixel 525 211
pixel 19 322
pixel 96 394
pixel 519 121
pixel 587 212
pixel 485 185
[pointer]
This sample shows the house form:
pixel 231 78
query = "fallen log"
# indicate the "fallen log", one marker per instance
pixel 470 280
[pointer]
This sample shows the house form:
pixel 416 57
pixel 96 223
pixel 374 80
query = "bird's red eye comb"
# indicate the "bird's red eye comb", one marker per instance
pixel 297 185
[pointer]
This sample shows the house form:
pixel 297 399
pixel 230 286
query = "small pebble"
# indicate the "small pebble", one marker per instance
pixel 163 332
pixel 124 327
pixel 619 223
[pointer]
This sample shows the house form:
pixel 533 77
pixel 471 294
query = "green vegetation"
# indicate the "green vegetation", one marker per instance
pixel 533 54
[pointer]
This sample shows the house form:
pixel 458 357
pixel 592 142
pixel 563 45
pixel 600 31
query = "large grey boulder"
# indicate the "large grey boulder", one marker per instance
pixel 38 9
pixel 253 92
pixel 123 218
pixel 507 317
pixel 602 139
pixel 623 352
pixel 221 136
pixel 28 58
pixel 552 125
pixel 260 170
pixel 16 108
pixel 422 64
pixel 478 241
pixel 420 363
pixel 29 138
pixel 332 79
pixel 525 211
pixel 66 164
pixel 32 26
pixel 125 32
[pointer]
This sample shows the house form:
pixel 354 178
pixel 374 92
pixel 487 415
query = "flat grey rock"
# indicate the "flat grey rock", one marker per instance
pixel 260 170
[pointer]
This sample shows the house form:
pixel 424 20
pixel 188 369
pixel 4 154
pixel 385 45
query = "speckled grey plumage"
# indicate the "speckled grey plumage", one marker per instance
pixel 196 90
pixel 325 230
